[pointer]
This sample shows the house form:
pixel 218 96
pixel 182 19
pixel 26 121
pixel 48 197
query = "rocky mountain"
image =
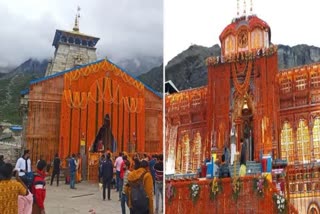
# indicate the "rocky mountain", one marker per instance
pixel 139 65
pixel 153 78
pixel 13 82
pixel 289 57
pixel 188 69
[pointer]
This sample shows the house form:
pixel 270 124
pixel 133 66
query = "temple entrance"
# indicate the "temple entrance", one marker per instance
pixel 247 129
pixel 242 128
pixel 247 137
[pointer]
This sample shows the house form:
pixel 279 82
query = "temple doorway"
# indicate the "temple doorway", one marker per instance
pixel 247 130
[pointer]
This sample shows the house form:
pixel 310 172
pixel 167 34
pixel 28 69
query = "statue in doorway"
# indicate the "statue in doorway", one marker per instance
pixel 247 140
pixel 104 138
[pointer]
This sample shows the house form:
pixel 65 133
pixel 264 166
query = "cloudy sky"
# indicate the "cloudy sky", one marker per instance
pixel 200 22
pixel 126 28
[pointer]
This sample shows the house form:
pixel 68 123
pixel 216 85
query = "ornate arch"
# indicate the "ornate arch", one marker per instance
pixel 313 208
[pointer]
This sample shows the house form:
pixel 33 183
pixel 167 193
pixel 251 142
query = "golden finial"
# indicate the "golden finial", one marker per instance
pixel 76 21
pixel 238 8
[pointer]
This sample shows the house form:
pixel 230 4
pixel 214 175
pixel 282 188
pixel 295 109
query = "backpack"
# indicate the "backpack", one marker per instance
pixel 139 198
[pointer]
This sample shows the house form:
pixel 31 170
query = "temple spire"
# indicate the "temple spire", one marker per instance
pixel 76 21
pixel 251 7
pixel 244 7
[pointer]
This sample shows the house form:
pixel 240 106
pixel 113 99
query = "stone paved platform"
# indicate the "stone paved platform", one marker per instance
pixel 63 200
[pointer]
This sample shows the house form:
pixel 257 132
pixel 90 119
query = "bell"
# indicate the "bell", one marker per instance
pixel 245 105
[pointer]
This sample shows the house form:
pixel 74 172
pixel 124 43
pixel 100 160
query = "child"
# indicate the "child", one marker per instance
pixel 38 188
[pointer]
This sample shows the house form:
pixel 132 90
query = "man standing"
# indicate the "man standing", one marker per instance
pixel 56 169
pixel 23 166
pixel 107 175
pixel 140 204
pixel 122 171
pixel 72 168
pixel 158 167
pixel 117 165
pixel 79 168
pixel 124 197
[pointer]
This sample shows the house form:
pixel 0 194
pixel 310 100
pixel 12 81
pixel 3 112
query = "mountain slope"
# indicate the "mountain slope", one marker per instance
pixel 139 65
pixel 15 81
pixel 188 69
pixel 153 78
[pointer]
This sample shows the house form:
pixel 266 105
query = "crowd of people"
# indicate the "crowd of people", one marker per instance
pixel 137 180
pixel 26 193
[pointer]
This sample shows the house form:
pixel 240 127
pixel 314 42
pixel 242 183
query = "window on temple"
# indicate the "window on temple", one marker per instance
pixel 287 145
pixel 301 82
pixel 285 86
pixel 316 138
pixel 303 143
pixel 315 80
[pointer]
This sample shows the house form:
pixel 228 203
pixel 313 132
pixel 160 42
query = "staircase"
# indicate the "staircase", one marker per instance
pixel 253 168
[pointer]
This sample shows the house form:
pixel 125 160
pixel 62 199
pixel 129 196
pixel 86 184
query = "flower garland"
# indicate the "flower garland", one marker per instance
pixel 215 188
pixel 236 187
pixel 170 192
pixel 259 185
pixel 280 203
pixel 242 88
pixel 194 192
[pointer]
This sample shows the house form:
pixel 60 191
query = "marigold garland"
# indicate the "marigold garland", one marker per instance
pixel 236 187
pixel 215 188
pixel 241 89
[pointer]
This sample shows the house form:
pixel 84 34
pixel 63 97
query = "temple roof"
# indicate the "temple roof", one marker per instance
pixel 85 65
pixel 63 36
pixel 251 22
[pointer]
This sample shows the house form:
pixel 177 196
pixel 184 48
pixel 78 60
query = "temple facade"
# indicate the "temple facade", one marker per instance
pixel 68 108
pixel 249 100
pixel 273 111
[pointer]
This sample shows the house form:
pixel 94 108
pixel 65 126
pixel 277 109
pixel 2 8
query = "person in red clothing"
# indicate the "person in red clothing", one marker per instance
pixel 39 188
pixel 122 171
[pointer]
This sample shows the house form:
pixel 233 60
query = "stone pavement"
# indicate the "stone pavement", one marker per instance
pixel 63 200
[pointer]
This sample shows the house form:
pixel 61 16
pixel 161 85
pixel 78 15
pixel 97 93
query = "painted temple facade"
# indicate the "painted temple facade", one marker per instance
pixel 247 97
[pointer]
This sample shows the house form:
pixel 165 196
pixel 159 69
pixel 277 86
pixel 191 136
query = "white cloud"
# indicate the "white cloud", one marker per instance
pixel 200 22
pixel 126 28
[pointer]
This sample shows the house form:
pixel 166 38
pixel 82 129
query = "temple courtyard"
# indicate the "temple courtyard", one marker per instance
pixel 63 200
